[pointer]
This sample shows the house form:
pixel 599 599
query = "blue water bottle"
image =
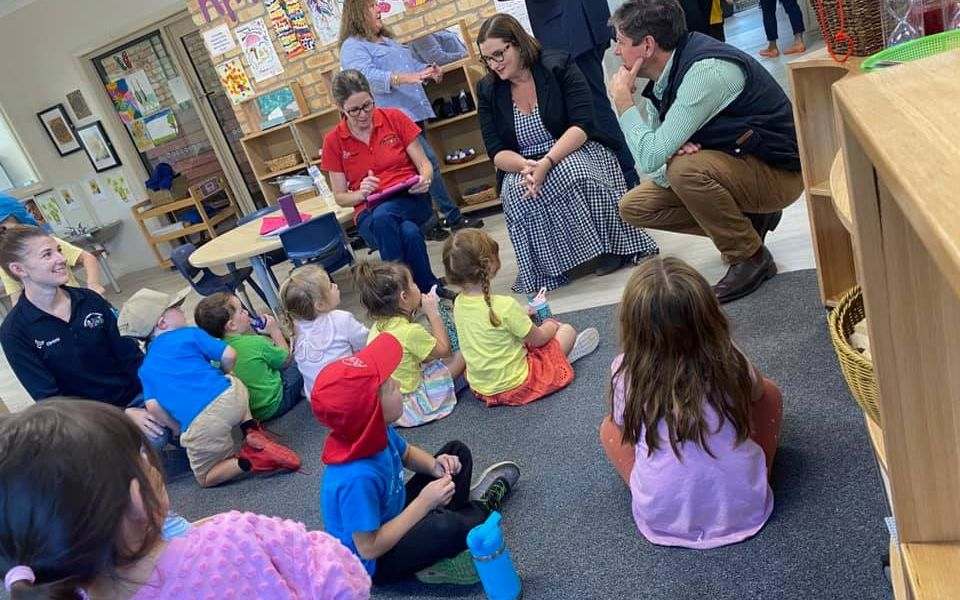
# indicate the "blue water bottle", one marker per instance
pixel 492 559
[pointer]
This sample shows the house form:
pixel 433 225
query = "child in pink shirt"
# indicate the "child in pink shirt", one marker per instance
pixel 692 428
pixel 100 528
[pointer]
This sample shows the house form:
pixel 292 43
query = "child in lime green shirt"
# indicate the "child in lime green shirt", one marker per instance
pixel 264 364
pixel 428 368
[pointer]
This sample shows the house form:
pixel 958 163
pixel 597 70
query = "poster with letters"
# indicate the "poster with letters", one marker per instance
pixel 257 47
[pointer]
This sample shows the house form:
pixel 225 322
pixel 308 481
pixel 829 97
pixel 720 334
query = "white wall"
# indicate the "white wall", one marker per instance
pixel 41 45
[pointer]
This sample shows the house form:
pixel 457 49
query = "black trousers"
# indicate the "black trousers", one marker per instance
pixel 442 533
pixel 591 64
pixel 769 10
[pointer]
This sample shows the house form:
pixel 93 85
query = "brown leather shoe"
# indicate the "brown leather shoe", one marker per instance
pixel 745 277
pixel 764 222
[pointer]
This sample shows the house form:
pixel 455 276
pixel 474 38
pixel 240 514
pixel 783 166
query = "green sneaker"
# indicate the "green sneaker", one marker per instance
pixel 488 491
pixel 458 570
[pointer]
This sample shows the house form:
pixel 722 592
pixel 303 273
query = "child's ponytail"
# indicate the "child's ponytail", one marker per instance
pixel 471 257
pixel 380 286
pixel 485 286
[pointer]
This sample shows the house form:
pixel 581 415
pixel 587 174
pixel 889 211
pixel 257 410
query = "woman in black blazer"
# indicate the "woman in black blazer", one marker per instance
pixel 559 182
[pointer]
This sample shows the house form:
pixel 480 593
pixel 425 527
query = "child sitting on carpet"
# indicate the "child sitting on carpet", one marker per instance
pixel 321 334
pixel 392 299
pixel 264 365
pixel 397 530
pixel 509 360
pixel 693 426
pixel 189 395
pixel 72 531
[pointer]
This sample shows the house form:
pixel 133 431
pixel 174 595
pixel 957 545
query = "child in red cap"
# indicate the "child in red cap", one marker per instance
pixel 398 531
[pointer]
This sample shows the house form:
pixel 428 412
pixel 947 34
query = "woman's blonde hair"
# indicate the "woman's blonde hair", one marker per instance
pixel 471 257
pixel 353 21
pixel 677 356
pixel 301 292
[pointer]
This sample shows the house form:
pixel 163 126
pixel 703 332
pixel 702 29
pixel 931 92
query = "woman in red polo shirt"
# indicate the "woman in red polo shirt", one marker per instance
pixel 371 150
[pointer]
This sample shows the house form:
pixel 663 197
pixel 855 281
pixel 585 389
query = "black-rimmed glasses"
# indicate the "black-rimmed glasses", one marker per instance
pixel 356 110
pixel 496 57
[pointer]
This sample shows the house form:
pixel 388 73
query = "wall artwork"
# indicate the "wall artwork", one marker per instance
pixel 162 126
pixel 78 104
pixel 60 129
pixel 99 149
pixel 326 19
pixel 124 102
pixel 118 185
pixel 220 8
pixel 258 48
pixel 219 40
pixel 295 39
pixel 50 207
pixel 141 139
pixel 390 8
pixel 95 190
pixel 143 91
pixel 235 82
pixel 298 18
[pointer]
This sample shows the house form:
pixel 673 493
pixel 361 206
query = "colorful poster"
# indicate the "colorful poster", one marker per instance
pixel 143 91
pixel 256 45
pixel 50 207
pixel 123 101
pixel 283 28
pixel 298 18
pixel 162 126
pixel 218 40
pixel 326 19
pixel 141 139
pixel 389 8
pixel 235 82
pixel 118 185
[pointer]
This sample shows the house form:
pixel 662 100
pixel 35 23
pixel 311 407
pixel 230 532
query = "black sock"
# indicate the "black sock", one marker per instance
pixel 244 465
pixel 247 425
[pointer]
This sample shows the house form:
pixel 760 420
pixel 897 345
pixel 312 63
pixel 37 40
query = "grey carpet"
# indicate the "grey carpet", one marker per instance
pixel 569 525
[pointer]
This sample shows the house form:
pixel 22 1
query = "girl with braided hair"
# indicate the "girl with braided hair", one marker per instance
pixel 428 368
pixel 509 360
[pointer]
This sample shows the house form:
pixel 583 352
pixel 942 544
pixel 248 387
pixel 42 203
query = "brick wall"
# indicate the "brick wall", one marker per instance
pixel 308 69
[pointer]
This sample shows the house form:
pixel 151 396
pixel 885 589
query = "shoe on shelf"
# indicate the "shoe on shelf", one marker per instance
pixel 458 570
pixel 609 263
pixel 586 342
pixel 464 223
pixel 436 234
pixel 267 455
pixel 506 470
pixel 445 293
pixel 764 223
pixel 745 277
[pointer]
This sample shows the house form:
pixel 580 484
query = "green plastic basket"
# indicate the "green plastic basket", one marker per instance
pixel 913 50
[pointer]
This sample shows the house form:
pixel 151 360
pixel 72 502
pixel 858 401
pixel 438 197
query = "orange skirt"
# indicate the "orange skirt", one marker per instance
pixel 549 371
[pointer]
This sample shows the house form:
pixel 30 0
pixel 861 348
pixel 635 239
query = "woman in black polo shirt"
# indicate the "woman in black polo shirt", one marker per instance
pixel 63 341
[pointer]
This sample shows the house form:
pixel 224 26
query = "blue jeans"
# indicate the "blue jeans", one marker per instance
pixel 292 391
pixel 447 208
pixel 160 441
pixel 393 226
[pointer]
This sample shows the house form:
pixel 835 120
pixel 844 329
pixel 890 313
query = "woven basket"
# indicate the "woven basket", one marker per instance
pixel 282 162
pixel 856 368
pixel 862 24
pixel 481 196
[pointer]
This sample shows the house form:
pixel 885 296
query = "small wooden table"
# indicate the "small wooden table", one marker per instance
pixel 245 243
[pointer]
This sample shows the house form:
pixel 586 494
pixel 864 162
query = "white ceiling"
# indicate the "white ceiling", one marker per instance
pixel 8 6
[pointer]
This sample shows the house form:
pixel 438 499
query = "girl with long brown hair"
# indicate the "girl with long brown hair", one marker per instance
pixel 693 426
pixel 509 360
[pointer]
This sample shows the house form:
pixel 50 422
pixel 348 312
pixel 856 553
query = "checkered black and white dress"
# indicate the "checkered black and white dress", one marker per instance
pixel 574 218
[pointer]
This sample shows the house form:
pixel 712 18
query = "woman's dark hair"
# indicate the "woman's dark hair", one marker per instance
pixel 505 27
pixel 353 21
pixel 380 286
pixel 213 313
pixel 347 83
pixel 677 358
pixel 664 20
pixel 13 244
pixel 65 471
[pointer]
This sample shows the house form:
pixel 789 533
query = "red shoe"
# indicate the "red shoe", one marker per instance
pixel 266 455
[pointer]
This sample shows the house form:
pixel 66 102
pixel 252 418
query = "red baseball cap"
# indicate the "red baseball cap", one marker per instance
pixel 345 398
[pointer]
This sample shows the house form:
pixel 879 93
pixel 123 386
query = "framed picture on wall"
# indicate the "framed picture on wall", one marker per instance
pixel 98 146
pixel 58 126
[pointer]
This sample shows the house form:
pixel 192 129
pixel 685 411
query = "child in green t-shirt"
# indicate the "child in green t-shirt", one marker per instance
pixel 264 364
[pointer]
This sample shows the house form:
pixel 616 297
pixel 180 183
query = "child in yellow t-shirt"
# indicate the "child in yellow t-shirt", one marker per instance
pixel 509 360
pixel 392 299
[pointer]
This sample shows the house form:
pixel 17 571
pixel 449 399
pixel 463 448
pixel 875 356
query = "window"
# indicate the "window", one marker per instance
pixel 16 171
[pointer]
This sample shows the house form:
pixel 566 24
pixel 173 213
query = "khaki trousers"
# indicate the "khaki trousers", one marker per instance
pixel 708 195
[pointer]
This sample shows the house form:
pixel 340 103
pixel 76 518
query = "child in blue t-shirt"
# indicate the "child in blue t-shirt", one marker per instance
pixel 398 530
pixel 186 393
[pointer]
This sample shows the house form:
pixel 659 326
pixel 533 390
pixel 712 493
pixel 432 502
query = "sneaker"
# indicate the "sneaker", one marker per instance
pixel 266 455
pixel 464 223
pixel 458 570
pixel 437 234
pixel 506 470
pixel 586 342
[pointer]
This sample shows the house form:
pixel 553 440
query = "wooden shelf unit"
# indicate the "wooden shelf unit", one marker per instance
pixel 898 131
pixel 204 191
pixel 812 77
